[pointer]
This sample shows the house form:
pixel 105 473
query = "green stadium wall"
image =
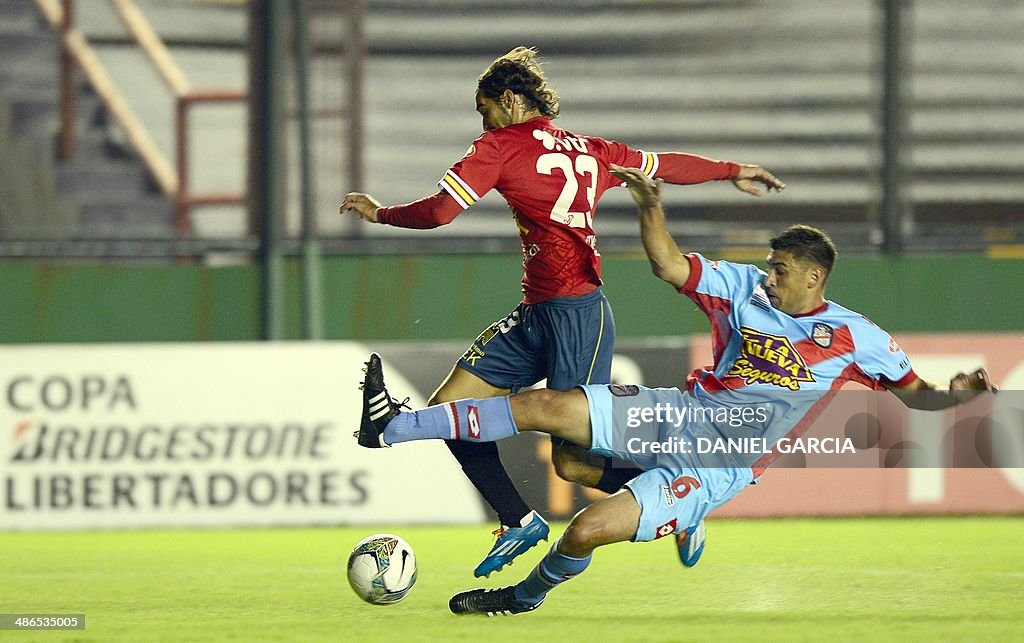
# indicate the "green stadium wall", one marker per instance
pixel 454 297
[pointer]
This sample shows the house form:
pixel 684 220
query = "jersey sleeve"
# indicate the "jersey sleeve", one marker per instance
pixel 880 357
pixel 713 282
pixel 423 214
pixel 690 169
pixel 475 174
pixel 677 168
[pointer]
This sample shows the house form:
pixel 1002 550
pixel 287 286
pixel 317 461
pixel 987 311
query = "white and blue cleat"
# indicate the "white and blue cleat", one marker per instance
pixel 511 542
pixel 690 544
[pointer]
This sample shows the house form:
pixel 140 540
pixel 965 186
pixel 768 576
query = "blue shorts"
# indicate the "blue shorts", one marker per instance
pixel 568 340
pixel 674 492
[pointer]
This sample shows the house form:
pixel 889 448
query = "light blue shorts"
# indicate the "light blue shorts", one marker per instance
pixel 674 499
pixel 673 494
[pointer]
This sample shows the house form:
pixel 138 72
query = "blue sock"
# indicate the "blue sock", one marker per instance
pixel 553 569
pixel 486 420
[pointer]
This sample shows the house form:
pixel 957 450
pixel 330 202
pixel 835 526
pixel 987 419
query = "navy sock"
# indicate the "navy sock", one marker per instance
pixel 615 476
pixel 481 463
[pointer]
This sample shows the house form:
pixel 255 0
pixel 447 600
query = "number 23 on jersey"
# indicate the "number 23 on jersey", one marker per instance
pixel 581 171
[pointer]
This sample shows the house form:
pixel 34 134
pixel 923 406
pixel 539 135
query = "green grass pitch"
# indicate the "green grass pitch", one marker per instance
pixel 877 579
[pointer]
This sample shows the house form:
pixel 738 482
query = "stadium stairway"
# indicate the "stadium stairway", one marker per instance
pixel 104 191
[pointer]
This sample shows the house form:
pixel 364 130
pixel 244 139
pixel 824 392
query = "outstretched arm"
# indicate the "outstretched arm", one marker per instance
pixel 689 169
pixel 667 262
pixel 927 396
pixel 428 212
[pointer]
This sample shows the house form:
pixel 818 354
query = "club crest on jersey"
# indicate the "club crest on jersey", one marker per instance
pixel 470 152
pixel 893 346
pixel 770 359
pixel 822 335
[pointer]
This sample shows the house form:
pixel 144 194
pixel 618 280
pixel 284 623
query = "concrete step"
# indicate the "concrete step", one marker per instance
pixel 127 217
pixel 17 16
pixel 89 180
pixel 36 118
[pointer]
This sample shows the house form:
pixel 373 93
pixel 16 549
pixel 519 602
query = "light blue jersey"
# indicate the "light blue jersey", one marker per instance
pixel 789 364
pixel 772 375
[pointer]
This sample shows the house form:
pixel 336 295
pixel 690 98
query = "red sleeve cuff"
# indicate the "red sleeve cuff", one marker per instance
pixel 696 268
pixel 906 380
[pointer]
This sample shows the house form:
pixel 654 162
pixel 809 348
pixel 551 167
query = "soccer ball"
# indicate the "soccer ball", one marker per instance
pixel 382 569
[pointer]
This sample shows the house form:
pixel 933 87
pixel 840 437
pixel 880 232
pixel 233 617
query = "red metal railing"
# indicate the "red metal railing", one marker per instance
pixel 76 52
pixel 186 200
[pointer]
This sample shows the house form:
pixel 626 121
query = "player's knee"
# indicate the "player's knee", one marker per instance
pixel 566 467
pixel 541 407
pixel 448 392
pixel 442 394
pixel 582 535
pixel 570 468
pixel 547 401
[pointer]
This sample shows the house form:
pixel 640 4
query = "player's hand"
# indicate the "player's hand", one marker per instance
pixel 646 192
pixel 751 175
pixel 975 381
pixel 363 204
pixel 964 387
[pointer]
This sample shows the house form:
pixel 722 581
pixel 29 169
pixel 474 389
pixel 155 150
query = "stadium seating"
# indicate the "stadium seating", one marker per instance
pixel 791 84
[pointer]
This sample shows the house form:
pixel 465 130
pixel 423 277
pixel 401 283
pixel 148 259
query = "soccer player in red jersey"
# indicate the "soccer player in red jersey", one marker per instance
pixel 563 330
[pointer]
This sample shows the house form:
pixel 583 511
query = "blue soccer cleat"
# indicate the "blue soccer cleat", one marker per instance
pixel 690 544
pixel 511 542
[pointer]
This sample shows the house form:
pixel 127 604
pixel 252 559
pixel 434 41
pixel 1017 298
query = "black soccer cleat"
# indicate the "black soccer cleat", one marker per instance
pixel 492 602
pixel 379 407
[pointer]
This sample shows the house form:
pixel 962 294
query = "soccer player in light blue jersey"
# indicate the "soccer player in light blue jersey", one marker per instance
pixel 780 352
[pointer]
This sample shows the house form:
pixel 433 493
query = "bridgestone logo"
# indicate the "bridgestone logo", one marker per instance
pixel 178 443
pixel 171 454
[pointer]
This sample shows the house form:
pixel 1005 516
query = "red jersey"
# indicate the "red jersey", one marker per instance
pixel 552 180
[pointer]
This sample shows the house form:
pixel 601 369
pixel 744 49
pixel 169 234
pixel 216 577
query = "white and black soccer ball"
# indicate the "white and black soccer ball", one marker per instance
pixel 382 569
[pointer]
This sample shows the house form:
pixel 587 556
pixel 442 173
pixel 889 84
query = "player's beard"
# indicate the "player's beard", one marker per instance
pixel 506 116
